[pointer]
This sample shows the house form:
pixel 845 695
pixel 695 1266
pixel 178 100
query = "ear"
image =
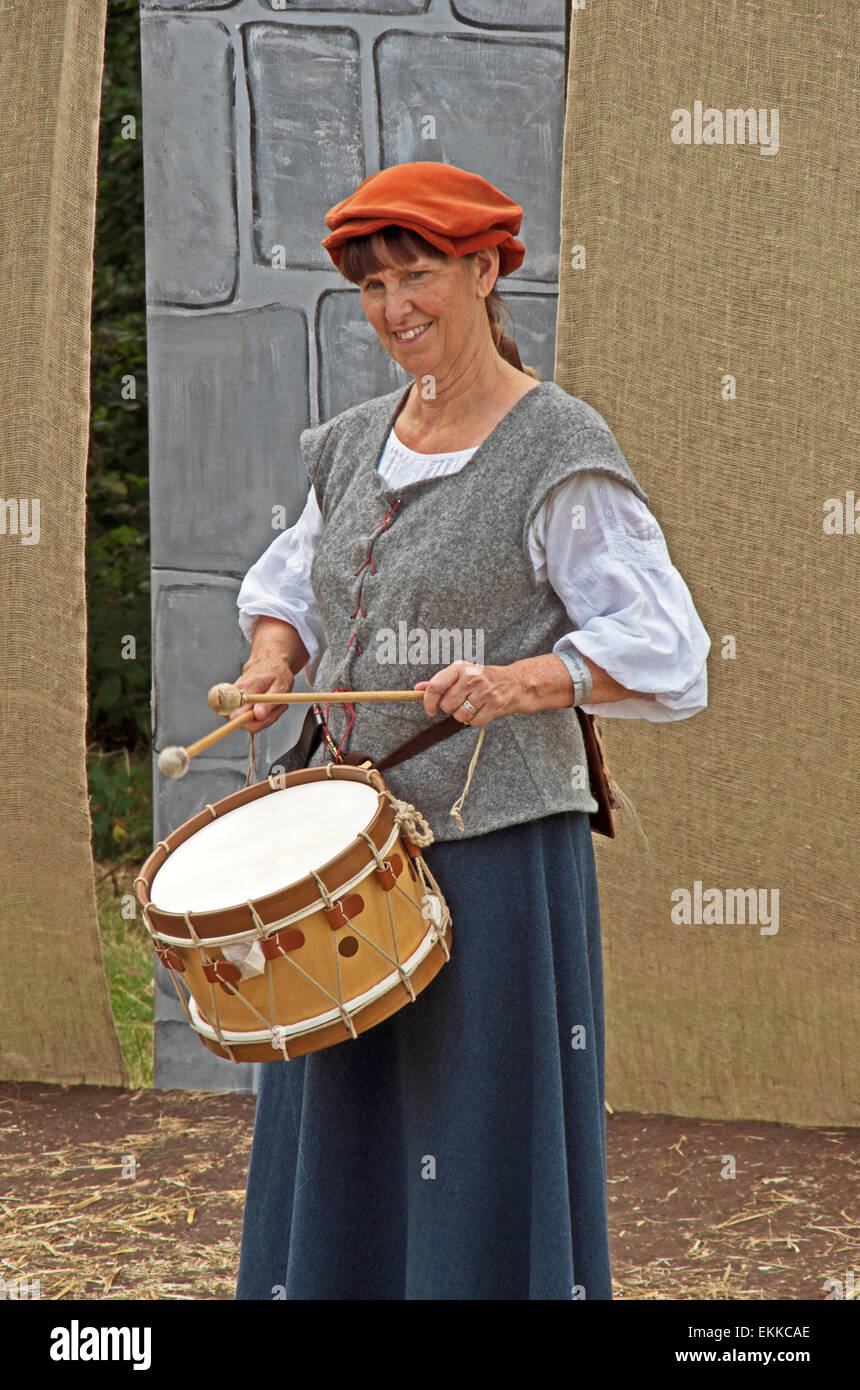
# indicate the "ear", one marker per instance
pixel 486 264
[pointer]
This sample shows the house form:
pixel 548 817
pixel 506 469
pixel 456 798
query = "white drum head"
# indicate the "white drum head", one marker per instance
pixel 263 846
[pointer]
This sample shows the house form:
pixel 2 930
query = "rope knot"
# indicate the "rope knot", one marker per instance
pixel 411 822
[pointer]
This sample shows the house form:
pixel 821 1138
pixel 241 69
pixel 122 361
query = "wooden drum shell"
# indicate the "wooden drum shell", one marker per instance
pixel 342 955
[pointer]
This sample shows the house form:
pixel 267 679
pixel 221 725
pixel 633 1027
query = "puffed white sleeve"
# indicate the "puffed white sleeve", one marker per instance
pixel 278 585
pixel 602 550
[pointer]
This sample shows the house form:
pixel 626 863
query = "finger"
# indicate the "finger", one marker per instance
pixel 466 716
pixel 481 694
pixel 485 715
pixel 432 696
pixel 452 700
pixel 266 679
pixel 437 689
pixel 253 685
pixel 264 715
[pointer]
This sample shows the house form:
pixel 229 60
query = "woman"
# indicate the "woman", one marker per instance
pixel 457 1151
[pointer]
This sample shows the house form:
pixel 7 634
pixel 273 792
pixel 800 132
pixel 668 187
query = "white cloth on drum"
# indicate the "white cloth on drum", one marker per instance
pixel 633 613
pixel 248 955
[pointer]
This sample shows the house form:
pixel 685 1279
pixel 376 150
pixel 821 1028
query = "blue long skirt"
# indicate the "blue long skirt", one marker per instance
pixel 456 1150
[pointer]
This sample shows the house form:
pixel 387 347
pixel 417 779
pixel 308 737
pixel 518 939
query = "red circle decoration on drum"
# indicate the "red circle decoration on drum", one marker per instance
pixel 298 912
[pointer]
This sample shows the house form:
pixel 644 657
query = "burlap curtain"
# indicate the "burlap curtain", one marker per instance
pixel 55 1019
pixel 709 307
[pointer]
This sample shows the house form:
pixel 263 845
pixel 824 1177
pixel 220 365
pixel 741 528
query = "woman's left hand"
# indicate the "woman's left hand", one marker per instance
pixel 491 690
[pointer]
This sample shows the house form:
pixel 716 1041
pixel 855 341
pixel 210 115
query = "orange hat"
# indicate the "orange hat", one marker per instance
pixel 455 211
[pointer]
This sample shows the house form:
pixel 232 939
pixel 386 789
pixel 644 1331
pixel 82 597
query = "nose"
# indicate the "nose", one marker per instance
pixel 397 305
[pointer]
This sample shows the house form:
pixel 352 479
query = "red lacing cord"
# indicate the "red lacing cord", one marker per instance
pixel 351 708
pixel 384 522
pixel 351 721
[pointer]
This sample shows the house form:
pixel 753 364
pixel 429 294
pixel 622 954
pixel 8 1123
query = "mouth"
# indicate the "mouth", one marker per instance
pixel 409 335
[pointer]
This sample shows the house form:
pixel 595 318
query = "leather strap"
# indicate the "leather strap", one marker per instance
pixel 599 776
pixel 417 744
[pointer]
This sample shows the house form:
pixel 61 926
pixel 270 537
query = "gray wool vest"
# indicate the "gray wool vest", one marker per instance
pixel 410 579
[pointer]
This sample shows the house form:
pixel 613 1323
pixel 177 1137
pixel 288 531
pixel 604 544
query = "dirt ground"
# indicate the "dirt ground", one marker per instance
pixel 112 1194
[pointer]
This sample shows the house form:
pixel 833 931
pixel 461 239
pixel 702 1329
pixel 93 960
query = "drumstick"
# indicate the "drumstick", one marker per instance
pixel 225 698
pixel 173 762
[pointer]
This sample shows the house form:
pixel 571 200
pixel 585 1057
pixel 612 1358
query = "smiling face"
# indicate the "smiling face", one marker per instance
pixel 428 309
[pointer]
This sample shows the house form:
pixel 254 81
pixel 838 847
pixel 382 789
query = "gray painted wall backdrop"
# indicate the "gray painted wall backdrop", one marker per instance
pixel 258 115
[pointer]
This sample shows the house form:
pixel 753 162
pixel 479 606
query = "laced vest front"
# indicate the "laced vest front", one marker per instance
pixel 409 579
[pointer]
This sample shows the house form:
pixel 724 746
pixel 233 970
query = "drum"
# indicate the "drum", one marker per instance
pixel 296 913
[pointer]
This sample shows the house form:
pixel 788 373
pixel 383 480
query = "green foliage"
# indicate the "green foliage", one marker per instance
pixel 117 492
pixel 118 546
pixel 127 954
pixel 120 804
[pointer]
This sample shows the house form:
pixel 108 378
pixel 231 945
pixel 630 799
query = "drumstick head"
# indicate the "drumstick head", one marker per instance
pixel 173 762
pixel 224 698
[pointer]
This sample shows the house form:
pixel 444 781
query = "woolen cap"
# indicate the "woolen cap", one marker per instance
pixel 457 212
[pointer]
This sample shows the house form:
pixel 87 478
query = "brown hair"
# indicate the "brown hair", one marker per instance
pixel 403 245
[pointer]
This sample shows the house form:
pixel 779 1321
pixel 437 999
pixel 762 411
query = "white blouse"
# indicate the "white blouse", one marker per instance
pixel 630 610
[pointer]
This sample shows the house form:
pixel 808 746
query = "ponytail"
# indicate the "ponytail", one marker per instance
pixel 505 343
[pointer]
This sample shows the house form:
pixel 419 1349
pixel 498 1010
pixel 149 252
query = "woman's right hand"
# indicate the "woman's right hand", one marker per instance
pixel 277 652
pixel 260 675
